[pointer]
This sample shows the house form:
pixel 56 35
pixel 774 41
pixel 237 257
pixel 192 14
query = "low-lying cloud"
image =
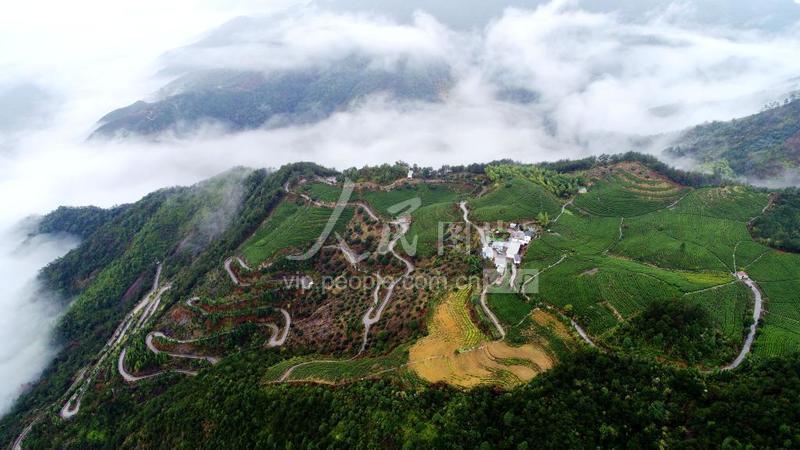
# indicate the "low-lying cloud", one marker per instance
pixel 28 310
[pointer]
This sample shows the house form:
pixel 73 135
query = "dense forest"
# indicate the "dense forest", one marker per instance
pixel 589 400
pixel 81 221
pixel 683 177
pixel 679 330
pixel 779 226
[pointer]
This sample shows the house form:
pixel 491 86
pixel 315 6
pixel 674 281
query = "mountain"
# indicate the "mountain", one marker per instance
pixel 243 100
pixel 291 308
pixel 761 145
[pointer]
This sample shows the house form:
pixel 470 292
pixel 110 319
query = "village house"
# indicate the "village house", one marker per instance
pixel 501 251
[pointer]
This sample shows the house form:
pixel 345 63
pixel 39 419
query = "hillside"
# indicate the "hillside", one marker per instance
pixel 761 145
pixel 310 308
pixel 238 100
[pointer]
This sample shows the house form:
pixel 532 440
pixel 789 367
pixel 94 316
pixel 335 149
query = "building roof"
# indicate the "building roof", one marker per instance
pixel 513 248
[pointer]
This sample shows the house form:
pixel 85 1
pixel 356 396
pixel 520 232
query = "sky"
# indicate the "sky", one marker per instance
pixel 602 71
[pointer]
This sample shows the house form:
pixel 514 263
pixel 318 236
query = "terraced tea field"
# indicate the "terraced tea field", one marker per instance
pixel 437 203
pixel 290 226
pixel 687 241
pixel 736 203
pixel 622 193
pixel 425 226
pixel 428 194
pixel 780 333
pixel 514 200
pixel 330 371
pixel 729 305
pixel 321 191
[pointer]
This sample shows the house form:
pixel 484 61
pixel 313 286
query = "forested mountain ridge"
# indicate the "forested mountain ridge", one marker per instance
pixel 243 100
pixel 760 145
pixel 194 311
pixel 115 265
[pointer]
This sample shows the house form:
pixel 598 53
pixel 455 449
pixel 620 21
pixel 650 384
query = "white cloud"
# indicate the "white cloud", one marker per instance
pixel 596 73
pixel 307 36
pixel 25 345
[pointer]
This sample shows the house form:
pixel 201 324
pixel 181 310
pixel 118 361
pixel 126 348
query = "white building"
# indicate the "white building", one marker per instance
pixel 513 248
pixel 410 174
pixel 503 252
pixel 500 263
pixel 521 237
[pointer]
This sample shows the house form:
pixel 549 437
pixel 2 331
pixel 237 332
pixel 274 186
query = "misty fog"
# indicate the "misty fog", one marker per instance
pixel 28 311
pixel 602 72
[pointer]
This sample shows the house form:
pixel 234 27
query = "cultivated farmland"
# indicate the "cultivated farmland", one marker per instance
pixel 458 353
pixel 290 226
pixel 516 199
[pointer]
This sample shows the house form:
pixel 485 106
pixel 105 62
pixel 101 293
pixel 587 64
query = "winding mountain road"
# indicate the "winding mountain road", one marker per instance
pixel 130 378
pixel 25 432
pixel 490 314
pixel 232 275
pixel 374 313
pixel 751 335
pixel 134 320
pixel 276 341
pixel 563 208
pixel 359 204
pixel 157 334
pixel 481 232
pixel 492 317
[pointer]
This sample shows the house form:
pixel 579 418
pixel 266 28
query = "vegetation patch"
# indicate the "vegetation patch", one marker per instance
pixel 514 199
pixel 509 308
pixel 425 223
pixel 779 227
pixel 680 331
pixel 628 190
pixel 345 370
pixel 456 351
pixel 291 225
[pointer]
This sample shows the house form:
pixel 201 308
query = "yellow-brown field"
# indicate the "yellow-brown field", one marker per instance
pixel 456 352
